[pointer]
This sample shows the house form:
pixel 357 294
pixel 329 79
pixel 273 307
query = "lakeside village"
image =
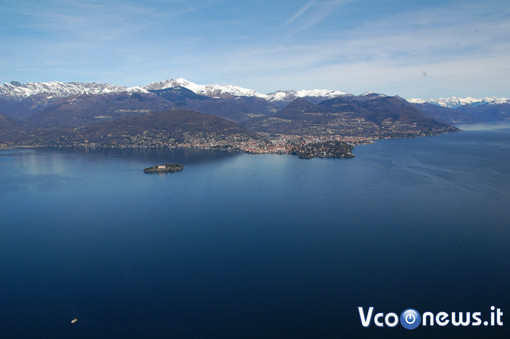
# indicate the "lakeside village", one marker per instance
pixel 306 147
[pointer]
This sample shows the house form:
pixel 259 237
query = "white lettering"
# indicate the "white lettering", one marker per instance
pixel 431 319
pixel 442 319
pixel 461 317
pixel 430 316
pixel 376 321
pixel 365 320
pixel 500 317
pixel 391 324
pixel 476 316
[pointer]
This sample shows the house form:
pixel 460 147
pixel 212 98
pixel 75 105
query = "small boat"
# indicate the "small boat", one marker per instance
pixel 74 321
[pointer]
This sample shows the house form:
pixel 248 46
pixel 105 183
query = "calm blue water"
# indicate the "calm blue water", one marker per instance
pixel 243 245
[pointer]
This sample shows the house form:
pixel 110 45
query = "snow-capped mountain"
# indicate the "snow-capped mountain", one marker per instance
pixel 294 94
pixel 62 89
pixel 456 102
pixel 218 91
pixel 215 91
pixel 372 95
pixel 59 89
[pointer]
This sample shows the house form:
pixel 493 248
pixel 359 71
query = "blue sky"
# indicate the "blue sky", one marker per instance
pixel 409 48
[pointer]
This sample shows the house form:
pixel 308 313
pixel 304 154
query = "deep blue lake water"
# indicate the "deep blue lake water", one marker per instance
pixel 241 245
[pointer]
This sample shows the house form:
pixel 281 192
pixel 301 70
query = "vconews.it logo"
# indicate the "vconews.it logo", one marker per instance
pixel 411 318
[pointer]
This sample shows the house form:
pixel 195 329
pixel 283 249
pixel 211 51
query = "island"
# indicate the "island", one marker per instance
pixel 167 168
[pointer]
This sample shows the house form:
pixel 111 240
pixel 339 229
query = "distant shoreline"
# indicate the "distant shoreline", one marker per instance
pixel 24 146
pixel 306 150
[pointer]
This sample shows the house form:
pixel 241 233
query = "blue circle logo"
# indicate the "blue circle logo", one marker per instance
pixel 410 319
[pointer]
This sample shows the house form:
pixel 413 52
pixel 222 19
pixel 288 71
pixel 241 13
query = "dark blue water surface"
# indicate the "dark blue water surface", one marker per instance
pixel 261 246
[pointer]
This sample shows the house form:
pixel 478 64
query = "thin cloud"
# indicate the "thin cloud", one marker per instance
pixel 314 12
pixel 299 13
pixel 324 9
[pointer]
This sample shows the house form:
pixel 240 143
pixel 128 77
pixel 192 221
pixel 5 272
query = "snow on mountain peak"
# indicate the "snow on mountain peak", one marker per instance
pixel 136 89
pixel 61 89
pixel 51 89
pixel 416 101
pixel 456 102
pixel 372 95
pixel 215 91
pixel 17 90
pixel 293 94
pixel 220 91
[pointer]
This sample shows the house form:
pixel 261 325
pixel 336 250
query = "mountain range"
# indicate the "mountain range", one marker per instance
pixel 457 102
pixel 16 90
pixel 372 115
pixel 178 112
pixel 465 110
pixel 235 103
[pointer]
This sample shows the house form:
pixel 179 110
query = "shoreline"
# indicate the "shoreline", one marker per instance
pixel 232 149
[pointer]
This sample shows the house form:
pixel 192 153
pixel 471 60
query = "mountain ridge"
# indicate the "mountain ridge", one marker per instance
pixel 457 102
pixel 360 118
pixel 18 90
pixel 52 89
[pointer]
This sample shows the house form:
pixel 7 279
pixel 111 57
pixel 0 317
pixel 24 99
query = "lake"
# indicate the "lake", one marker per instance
pixel 263 246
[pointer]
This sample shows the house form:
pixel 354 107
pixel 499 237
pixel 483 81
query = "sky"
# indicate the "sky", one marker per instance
pixel 424 49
